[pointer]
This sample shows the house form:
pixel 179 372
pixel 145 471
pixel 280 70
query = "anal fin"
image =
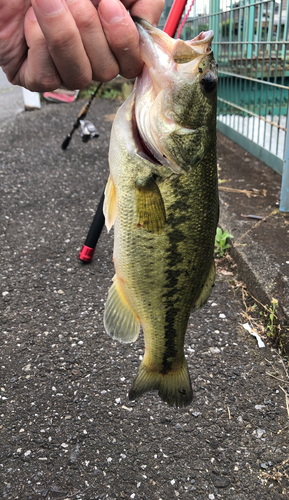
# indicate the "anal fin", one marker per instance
pixel 120 321
pixel 150 206
pixel 207 288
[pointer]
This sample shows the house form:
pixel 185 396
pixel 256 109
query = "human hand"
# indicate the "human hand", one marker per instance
pixel 48 43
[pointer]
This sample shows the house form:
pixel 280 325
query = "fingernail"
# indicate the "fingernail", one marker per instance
pixel 111 11
pixel 49 7
pixel 31 14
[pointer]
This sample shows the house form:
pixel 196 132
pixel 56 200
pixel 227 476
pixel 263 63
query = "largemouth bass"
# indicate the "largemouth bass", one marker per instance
pixel 162 197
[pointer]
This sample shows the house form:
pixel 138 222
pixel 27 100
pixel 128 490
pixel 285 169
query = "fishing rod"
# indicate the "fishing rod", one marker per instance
pixel 81 116
pixel 87 251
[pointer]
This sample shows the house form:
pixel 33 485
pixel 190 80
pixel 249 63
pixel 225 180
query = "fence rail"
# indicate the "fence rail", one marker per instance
pixel 251 46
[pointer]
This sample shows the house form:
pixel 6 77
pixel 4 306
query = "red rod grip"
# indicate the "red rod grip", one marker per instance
pixel 174 17
pixel 86 254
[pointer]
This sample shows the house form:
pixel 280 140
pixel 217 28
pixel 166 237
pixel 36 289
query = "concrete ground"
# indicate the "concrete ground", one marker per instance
pixel 67 429
pixel 11 99
pixel 260 247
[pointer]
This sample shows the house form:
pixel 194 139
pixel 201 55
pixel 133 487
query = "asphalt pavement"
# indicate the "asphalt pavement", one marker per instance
pixel 67 428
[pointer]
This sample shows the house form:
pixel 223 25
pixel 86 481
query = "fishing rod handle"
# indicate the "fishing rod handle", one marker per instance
pixel 94 233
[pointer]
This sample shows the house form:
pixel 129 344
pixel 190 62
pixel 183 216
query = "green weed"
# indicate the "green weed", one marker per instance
pixel 271 326
pixel 221 241
pixel 111 94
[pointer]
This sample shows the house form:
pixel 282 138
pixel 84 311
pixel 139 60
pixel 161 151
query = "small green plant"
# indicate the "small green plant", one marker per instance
pixel 111 94
pixel 221 241
pixel 271 324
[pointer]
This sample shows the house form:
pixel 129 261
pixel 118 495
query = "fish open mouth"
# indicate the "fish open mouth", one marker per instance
pixel 142 149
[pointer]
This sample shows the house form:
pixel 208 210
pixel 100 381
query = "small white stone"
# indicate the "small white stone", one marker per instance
pixel 109 459
pixel 173 482
pixel 138 485
pixel 64 445
pixel 85 431
pixel 27 453
pixel 126 408
pixel 222 316
pixel 212 497
pixel 117 400
pixel 19 450
pixel 60 292
pixel 260 432
pixel 260 407
pixel 132 495
pixel 21 430
pixel 214 350
pixel 5 293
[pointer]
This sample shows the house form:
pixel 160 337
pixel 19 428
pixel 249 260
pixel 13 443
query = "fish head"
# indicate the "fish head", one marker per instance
pixel 176 97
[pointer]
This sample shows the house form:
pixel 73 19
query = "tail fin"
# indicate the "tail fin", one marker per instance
pixel 174 387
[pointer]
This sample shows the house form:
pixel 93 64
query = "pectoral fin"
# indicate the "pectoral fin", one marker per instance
pixel 120 321
pixel 207 288
pixel 109 205
pixel 150 207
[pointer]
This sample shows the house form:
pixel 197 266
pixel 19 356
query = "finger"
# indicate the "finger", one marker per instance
pixel 64 42
pixel 38 73
pixel 150 10
pixel 13 48
pixel 103 62
pixel 122 36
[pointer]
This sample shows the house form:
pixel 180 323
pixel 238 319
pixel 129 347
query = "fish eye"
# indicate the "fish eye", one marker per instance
pixel 208 82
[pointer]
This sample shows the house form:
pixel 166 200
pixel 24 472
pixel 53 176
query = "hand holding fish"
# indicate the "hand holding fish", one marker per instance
pixel 48 43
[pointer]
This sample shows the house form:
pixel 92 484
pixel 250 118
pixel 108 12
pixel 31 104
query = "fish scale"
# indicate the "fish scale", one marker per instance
pixel 164 214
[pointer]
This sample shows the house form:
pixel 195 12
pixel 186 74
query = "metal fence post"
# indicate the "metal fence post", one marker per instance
pixel 250 28
pixel 214 24
pixel 284 200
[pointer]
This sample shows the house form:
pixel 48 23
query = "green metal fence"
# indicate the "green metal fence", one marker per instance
pixel 251 46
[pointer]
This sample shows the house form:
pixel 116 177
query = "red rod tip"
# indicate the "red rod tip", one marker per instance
pixel 86 254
